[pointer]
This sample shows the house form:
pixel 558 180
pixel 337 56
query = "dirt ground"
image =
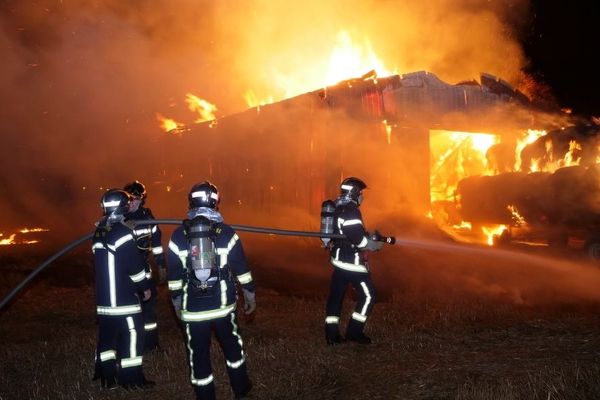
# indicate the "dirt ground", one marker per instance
pixel 448 325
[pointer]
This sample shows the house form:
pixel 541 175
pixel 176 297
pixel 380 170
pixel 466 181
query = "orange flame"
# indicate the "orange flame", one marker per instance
pixel 531 136
pixel 492 231
pixel 516 217
pixel 205 109
pixel 349 60
pixel 456 155
pixel 253 101
pixel 168 124
pixel 11 240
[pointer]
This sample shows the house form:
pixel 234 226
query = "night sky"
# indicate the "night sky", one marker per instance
pixel 561 41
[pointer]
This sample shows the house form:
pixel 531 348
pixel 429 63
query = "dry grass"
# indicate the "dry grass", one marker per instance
pixel 424 348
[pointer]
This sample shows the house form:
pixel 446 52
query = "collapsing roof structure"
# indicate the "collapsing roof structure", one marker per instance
pixel 295 151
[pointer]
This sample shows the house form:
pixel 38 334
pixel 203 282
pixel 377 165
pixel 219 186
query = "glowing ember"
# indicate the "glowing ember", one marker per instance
pixel 27 230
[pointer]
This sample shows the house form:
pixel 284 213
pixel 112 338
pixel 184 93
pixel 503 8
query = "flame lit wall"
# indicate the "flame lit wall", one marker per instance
pixel 290 156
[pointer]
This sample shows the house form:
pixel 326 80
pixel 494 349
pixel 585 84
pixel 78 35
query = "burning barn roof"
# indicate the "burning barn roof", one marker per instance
pixel 412 137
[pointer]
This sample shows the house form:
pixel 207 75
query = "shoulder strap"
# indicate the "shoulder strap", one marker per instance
pixel 129 223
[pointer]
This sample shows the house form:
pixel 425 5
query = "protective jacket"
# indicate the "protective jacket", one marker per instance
pixel 347 254
pixel 220 300
pixel 120 270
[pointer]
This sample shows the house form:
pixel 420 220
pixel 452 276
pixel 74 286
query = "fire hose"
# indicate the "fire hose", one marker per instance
pixel 242 228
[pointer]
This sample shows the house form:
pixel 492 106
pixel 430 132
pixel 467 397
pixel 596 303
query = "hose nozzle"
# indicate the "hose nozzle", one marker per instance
pixel 378 237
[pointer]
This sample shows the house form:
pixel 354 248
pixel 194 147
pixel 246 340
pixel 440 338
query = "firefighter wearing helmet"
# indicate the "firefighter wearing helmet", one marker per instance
pixel 349 265
pixel 121 283
pixel 148 239
pixel 206 259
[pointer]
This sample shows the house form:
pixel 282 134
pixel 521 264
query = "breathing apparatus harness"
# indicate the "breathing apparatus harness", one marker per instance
pixel 203 273
pixel 327 218
pixel 330 211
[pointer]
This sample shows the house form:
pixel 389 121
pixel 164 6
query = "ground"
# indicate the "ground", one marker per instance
pixel 439 344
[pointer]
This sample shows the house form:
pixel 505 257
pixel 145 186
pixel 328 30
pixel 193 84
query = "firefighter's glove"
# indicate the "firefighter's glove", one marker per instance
pixel 249 301
pixel 146 294
pixel 177 303
pixel 162 274
pixel 372 245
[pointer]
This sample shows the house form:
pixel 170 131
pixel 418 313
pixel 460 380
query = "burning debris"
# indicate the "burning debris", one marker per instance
pixel 15 238
pixel 555 195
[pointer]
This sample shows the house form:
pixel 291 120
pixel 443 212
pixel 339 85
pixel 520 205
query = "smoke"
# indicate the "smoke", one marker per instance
pixel 82 80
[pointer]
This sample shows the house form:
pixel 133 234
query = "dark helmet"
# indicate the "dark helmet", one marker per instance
pixel 136 189
pixel 352 188
pixel 115 202
pixel 204 194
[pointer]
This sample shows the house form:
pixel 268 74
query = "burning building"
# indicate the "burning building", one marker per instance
pixel 413 138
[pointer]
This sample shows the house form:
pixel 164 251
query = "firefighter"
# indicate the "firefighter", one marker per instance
pixel 205 258
pixel 120 282
pixel 148 239
pixel 350 266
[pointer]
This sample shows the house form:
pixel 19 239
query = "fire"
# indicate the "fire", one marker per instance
pixel 168 124
pixel 516 217
pixel 570 158
pixel 531 136
pixel 456 155
pixel 492 231
pixel 349 60
pixel 205 109
pixel 27 230
pixel 463 226
pixel 11 240
pixel 253 101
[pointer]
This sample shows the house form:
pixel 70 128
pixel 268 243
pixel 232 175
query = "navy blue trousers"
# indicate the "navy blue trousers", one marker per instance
pixel 120 348
pixel 199 338
pixel 150 320
pixel 365 292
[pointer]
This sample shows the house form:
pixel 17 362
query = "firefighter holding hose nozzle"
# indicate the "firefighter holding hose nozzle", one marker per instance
pixel 349 262
pixel 205 258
